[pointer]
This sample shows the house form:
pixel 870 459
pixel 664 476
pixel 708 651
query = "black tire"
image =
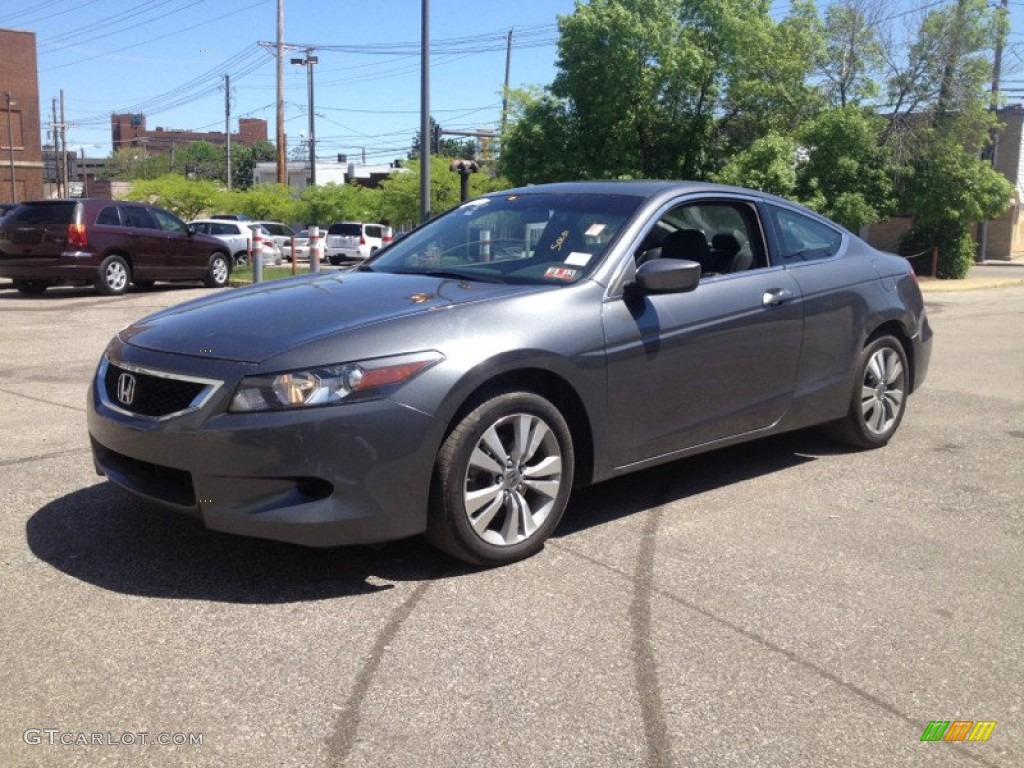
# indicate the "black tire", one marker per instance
pixel 31 287
pixel 218 272
pixel 114 276
pixel 144 285
pixel 879 397
pixel 512 458
pixel 241 259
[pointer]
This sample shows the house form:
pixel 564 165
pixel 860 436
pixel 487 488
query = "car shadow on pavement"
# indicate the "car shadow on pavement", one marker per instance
pixel 690 477
pixel 104 537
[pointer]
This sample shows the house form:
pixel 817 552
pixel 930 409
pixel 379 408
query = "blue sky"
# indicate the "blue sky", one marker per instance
pixel 167 58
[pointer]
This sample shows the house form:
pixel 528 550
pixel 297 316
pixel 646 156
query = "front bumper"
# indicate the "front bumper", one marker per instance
pixel 347 474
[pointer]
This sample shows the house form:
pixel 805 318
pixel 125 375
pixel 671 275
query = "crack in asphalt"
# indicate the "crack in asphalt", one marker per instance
pixel 653 713
pixel 44 457
pixel 346 726
pixel 12 393
pixel 645 666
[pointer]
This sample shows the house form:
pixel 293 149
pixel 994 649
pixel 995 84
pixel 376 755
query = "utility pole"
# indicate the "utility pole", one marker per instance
pixel 425 112
pixel 997 73
pixel 55 130
pixel 282 170
pixel 10 145
pixel 309 61
pixel 227 122
pixel 508 72
pixel 64 146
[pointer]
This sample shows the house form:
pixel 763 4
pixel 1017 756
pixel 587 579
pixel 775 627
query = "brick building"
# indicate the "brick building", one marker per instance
pixel 21 152
pixel 129 130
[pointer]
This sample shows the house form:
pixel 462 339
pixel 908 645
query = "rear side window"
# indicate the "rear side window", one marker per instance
pixel 109 216
pixel 802 238
pixel 42 214
pixel 348 230
pixel 223 229
pixel 373 231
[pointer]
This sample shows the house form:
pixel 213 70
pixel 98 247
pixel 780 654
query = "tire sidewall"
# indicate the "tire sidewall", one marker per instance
pixel 103 286
pixel 211 279
pixel 453 461
pixel 856 417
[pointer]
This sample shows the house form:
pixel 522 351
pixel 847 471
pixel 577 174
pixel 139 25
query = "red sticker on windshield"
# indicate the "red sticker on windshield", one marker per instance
pixel 560 273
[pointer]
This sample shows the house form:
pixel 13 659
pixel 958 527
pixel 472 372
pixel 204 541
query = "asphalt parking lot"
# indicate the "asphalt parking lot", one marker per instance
pixel 786 603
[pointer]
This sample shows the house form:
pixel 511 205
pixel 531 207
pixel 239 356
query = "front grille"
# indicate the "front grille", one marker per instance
pixel 150 395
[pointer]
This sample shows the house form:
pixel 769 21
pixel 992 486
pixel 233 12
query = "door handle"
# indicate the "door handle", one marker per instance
pixel 775 296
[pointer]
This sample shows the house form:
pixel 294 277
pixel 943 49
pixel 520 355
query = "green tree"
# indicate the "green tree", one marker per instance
pixel 853 57
pixel 399 201
pixel 327 203
pixel 769 165
pixel 183 197
pixel 952 190
pixel 201 160
pixel 272 202
pixel 244 159
pixel 133 163
pixel 540 143
pixel 462 149
pixel 846 176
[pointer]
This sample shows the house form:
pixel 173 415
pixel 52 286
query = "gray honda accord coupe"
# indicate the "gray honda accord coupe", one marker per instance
pixel 462 381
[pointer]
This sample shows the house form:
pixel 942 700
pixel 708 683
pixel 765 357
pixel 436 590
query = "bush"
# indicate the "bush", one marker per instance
pixel 955 244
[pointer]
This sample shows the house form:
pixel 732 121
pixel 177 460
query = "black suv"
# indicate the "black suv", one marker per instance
pixel 108 243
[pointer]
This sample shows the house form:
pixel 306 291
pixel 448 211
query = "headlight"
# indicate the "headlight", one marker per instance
pixel 330 384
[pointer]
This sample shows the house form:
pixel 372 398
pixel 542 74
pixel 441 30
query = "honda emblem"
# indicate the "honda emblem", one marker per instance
pixel 125 388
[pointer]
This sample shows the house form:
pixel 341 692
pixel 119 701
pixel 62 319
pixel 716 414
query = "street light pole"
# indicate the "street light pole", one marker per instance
pixel 309 61
pixel 10 145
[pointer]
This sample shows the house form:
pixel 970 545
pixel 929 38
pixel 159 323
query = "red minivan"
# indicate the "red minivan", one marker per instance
pixel 108 243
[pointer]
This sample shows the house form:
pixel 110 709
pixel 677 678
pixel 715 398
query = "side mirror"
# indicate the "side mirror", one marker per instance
pixel 667 276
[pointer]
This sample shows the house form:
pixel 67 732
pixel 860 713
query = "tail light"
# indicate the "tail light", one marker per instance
pixel 387 237
pixel 362 239
pixel 77 237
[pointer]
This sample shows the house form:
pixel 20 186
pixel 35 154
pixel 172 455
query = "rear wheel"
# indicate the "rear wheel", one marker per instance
pixel 114 276
pixel 503 480
pixel 31 287
pixel 241 259
pixel 879 396
pixel 218 272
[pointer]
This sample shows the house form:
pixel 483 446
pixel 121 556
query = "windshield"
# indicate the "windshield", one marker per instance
pixel 522 237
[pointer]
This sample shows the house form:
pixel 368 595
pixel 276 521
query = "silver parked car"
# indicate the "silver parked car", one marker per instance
pixel 525 343
pixel 238 236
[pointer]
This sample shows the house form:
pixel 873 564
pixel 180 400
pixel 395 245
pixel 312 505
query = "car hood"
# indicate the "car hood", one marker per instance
pixel 253 324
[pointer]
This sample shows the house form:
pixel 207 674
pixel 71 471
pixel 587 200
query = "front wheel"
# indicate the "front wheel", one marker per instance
pixel 114 276
pixel 218 272
pixel 879 397
pixel 502 482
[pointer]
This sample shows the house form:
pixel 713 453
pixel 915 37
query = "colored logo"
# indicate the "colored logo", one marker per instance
pixel 958 730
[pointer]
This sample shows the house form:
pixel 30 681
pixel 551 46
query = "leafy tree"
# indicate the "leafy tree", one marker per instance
pixel 273 202
pixel 133 163
pixel 846 176
pixel 399 201
pixel 201 160
pixel 244 159
pixel 951 191
pixel 540 143
pixel 853 51
pixel 182 197
pixel 327 203
pixel 769 165
pixel 461 149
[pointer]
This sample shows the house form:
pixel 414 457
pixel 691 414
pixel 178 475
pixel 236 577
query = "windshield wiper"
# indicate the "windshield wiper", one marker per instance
pixel 455 274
